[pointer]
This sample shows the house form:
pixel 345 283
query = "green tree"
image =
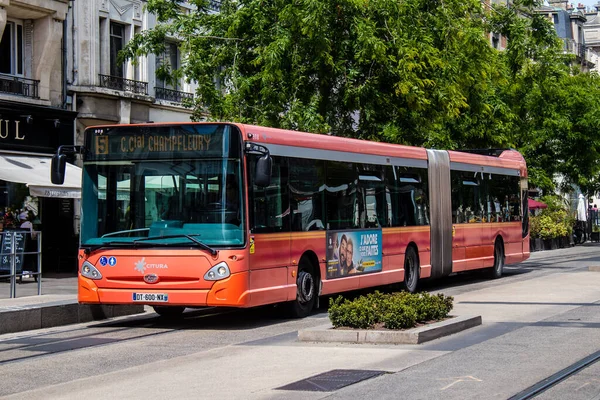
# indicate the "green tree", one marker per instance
pixel 554 106
pixel 418 72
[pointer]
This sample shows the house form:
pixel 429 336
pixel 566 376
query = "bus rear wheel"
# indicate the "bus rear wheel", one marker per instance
pixel 496 271
pixel 306 291
pixel 171 312
pixel 411 270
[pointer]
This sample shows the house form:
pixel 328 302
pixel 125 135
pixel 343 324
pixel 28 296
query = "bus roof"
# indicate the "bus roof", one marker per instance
pixel 504 158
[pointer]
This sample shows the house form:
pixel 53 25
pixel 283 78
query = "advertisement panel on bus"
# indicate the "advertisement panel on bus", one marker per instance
pixel 353 252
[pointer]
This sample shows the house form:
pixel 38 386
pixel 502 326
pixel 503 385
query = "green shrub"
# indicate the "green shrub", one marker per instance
pixel 359 313
pixel 399 316
pixel 551 224
pixel 554 221
pixel 395 311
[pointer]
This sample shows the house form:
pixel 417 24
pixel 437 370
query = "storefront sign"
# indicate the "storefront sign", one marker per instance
pixel 7 250
pixel 353 252
pixel 10 128
pixel 66 207
pixel 34 128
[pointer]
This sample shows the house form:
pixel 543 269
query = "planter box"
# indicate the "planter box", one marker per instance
pixel 550 244
pixel 595 236
pixel 536 244
pixel 565 242
pixel 418 335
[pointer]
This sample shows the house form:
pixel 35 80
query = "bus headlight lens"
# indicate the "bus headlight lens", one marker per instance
pixel 89 271
pixel 218 272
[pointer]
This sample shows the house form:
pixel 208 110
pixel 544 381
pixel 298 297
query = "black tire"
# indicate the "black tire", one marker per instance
pixel 306 291
pixel 411 270
pixel 170 312
pixel 499 258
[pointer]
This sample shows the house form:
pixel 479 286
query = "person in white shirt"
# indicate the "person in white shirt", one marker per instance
pixel 28 224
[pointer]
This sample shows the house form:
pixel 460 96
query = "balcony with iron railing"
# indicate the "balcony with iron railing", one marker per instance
pixel 173 95
pixel 19 86
pixel 126 85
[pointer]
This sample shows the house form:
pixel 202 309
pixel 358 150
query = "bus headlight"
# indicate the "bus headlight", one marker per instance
pixel 218 272
pixel 89 271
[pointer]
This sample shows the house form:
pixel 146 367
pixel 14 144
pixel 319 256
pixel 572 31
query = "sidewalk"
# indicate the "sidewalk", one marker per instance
pixel 55 307
pixel 534 324
pixel 56 284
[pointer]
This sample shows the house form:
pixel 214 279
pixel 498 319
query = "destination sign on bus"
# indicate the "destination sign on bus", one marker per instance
pixel 133 142
pixel 153 143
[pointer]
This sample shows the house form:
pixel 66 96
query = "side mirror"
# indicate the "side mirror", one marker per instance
pixel 57 169
pixel 262 176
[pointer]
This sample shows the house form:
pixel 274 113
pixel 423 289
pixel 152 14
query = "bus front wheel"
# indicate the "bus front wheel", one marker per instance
pixel 169 311
pixel 411 270
pixel 306 291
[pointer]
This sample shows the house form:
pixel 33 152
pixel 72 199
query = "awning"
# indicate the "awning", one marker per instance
pixel 34 171
pixel 534 204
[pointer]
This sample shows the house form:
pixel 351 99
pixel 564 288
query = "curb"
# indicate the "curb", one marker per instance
pixel 20 318
pixel 326 333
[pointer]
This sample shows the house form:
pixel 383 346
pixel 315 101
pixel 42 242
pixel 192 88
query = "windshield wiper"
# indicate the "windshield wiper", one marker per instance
pixel 127 231
pixel 190 237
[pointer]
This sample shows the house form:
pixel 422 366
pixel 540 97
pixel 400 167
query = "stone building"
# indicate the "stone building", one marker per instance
pixel 34 121
pixel 591 30
pixel 105 91
pixel 569 22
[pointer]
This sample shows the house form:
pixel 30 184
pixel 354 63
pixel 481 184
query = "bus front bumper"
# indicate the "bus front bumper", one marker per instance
pixel 230 292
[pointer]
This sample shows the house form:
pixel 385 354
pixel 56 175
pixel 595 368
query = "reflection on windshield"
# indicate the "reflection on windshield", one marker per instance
pixel 141 199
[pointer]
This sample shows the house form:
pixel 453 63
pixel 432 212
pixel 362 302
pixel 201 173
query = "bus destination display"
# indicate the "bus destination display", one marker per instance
pixel 136 142
pixel 153 143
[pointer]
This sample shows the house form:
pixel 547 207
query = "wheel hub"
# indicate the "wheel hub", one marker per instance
pixel 306 287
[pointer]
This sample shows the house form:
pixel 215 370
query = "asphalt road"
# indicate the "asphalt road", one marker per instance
pixel 541 317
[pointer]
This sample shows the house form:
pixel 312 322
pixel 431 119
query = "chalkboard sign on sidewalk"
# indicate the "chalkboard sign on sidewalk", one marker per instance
pixel 20 236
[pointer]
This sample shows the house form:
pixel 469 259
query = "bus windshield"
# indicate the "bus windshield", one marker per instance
pixel 131 192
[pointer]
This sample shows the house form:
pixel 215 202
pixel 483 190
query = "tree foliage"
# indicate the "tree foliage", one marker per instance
pixel 417 72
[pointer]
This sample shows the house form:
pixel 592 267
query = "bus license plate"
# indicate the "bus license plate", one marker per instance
pixel 156 297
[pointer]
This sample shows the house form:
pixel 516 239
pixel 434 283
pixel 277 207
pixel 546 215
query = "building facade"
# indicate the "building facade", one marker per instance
pixel 569 24
pixel 591 30
pixel 35 119
pixel 59 74
pixel 106 91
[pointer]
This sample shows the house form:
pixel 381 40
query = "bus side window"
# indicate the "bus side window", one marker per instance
pixel 307 194
pixel 344 203
pixel 269 206
pixel 372 191
pixel 408 194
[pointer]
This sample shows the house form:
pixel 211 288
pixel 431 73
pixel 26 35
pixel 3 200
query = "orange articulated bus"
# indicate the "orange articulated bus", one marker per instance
pixel 220 214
